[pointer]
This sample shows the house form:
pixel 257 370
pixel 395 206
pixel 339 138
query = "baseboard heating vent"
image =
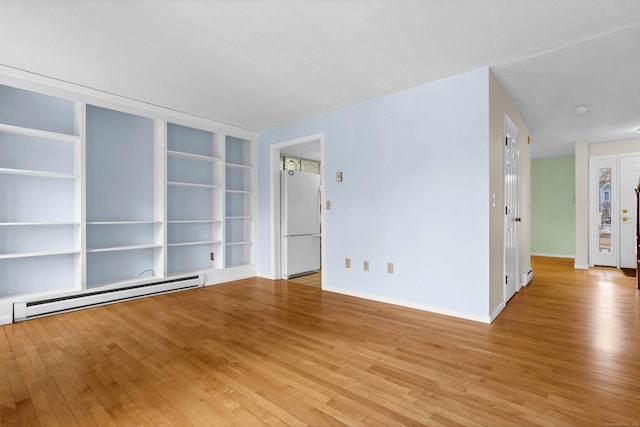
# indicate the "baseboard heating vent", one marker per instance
pixel 527 277
pixel 92 298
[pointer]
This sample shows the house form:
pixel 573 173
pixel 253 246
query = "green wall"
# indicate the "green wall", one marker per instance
pixel 553 206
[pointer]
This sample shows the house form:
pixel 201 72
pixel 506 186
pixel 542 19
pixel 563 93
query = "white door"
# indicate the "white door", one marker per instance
pixel 629 175
pixel 603 219
pixel 511 218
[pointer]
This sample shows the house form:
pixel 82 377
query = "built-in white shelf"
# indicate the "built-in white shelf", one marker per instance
pixel 194 243
pixel 195 221
pixel 18 130
pixel 37 173
pixel 123 248
pixel 67 184
pixel 11 224
pixel 190 184
pixel 190 156
pixel 237 166
pixel 246 242
pixel 37 254
pixel 122 222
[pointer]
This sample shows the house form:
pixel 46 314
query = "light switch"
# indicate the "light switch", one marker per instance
pixel 328 205
pixel 338 176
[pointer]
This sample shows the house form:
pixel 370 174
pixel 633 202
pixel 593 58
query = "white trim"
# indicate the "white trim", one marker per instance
pixel 411 304
pixel 274 174
pixel 497 311
pixel 229 274
pixel 554 255
pixel 580 267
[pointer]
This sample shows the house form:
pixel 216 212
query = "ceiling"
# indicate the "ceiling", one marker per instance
pixel 258 64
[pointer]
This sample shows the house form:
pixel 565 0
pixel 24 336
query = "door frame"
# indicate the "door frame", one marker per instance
pixel 274 173
pixel 615 162
pixel 511 129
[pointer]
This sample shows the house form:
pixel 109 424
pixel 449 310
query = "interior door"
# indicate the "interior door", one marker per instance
pixel 603 219
pixel 629 175
pixel 511 218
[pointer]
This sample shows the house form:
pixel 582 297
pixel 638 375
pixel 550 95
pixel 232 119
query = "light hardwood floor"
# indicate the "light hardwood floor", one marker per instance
pixel 565 352
pixel 314 279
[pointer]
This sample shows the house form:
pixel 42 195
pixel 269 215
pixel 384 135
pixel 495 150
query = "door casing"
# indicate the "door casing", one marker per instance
pixel 274 174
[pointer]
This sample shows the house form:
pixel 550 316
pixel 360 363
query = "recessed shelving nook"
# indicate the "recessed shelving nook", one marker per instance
pixel 39 192
pixel 240 199
pixel 194 199
pixel 98 191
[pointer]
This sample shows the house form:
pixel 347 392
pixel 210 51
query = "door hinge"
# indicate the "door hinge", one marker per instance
pixel 506 210
pixel 506 280
pixel 506 140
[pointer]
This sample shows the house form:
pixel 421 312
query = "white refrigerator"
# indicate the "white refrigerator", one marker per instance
pixel 300 198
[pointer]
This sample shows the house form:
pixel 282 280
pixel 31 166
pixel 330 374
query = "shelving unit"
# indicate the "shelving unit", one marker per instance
pixel 39 147
pixel 92 196
pixel 194 203
pixel 239 202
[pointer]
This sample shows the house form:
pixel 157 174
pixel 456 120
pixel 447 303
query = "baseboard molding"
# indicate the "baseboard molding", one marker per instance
pixel 497 311
pixel 6 319
pixel 230 274
pixel 411 304
pixel 555 255
pixel 580 267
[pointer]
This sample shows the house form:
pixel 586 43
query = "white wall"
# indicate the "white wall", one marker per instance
pixel 415 193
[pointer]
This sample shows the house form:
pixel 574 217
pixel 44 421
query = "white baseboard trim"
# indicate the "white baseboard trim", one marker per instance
pixel 410 304
pixel 554 255
pixel 580 267
pixel 497 311
pixel 5 320
pixel 229 274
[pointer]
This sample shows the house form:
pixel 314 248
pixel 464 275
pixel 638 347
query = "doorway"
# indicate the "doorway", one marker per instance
pixel 612 223
pixel 309 147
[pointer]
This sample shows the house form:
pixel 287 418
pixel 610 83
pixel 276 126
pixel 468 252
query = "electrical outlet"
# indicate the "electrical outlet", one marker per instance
pixel 390 267
pixel 365 265
pixel 347 262
pixel 328 205
pixel 338 176
pixel 213 256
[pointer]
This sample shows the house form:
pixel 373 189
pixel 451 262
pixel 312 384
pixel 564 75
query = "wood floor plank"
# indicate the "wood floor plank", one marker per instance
pixel 259 352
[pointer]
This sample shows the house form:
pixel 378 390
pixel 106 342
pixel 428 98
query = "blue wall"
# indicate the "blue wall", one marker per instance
pixel 415 193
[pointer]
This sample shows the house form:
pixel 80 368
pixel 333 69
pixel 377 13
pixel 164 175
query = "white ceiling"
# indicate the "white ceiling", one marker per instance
pixel 258 64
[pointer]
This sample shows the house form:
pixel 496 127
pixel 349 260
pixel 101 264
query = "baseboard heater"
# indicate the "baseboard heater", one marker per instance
pixel 92 298
pixel 527 277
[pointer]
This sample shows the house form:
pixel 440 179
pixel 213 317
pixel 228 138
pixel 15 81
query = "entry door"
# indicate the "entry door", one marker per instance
pixel 629 175
pixel 511 218
pixel 603 218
